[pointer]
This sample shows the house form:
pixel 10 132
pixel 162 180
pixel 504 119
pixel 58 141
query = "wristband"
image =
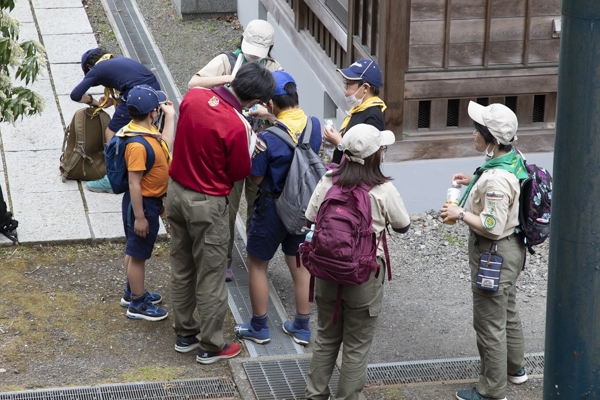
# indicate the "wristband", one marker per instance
pixel 89 103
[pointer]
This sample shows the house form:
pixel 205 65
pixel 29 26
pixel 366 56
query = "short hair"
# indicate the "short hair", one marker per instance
pixel 374 89
pixel 288 100
pixel 254 82
pixel 490 139
pixel 351 173
pixel 92 59
pixel 135 114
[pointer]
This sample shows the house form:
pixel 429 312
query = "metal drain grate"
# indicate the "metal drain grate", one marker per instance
pixel 285 379
pixel 439 370
pixel 173 390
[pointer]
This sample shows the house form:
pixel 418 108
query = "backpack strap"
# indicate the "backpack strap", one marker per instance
pixel 285 136
pixel 232 58
pixel 150 156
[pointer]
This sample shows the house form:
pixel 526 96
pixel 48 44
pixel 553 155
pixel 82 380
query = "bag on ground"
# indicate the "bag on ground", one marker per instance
pixel 116 166
pixel 305 172
pixel 535 206
pixel 343 248
pixel 83 146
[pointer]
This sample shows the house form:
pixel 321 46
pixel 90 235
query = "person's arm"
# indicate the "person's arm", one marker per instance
pixel 257 180
pixel 209 81
pixel 263 112
pixel 140 226
pixel 168 133
pixel 331 135
pixel 462 179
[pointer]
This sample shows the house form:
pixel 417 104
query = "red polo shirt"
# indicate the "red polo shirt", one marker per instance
pixel 210 151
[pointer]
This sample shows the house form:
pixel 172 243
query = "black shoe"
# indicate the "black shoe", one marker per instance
pixel 185 344
pixel 9 228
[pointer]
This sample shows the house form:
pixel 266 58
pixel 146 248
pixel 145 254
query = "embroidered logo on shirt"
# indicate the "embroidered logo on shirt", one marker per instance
pixel 259 147
pixel 214 101
pixel 489 222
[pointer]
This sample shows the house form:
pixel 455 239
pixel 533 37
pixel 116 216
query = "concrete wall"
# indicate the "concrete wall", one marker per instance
pixel 187 8
pixel 313 99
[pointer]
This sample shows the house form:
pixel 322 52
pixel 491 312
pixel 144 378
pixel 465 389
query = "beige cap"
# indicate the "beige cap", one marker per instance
pixel 500 120
pixel 363 140
pixel 258 38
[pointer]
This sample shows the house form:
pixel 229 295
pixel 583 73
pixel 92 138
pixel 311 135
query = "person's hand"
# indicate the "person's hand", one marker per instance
pixel 331 135
pixel 141 227
pixel 261 111
pixel 462 179
pixel 168 109
pixel 227 79
pixel 110 102
pixel 449 212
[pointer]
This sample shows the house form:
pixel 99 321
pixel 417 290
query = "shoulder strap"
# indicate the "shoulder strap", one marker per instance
pixel 232 58
pixel 283 135
pixel 150 156
pixel 307 131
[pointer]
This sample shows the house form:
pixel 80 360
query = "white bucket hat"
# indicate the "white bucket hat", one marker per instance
pixel 500 120
pixel 258 38
pixel 363 140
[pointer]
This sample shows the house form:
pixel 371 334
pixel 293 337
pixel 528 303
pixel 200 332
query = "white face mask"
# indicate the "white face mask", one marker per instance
pixel 252 58
pixel 353 101
pixel 489 156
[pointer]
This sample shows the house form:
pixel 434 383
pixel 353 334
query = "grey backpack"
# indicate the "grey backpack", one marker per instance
pixel 305 172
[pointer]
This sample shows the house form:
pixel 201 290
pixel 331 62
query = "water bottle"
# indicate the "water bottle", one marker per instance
pixel 328 147
pixel 453 197
pixel 309 235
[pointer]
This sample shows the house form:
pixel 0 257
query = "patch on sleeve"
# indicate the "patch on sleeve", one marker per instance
pixel 259 147
pixel 494 196
pixel 489 222
pixel 214 101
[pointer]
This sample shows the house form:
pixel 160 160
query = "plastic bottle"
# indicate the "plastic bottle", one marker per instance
pixel 309 235
pixel 453 197
pixel 328 147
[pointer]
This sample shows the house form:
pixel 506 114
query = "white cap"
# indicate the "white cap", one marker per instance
pixel 363 140
pixel 258 38
pixel 500 120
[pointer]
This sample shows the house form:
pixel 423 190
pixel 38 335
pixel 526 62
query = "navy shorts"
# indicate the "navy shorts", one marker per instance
pixel 138 246
pixel 267 232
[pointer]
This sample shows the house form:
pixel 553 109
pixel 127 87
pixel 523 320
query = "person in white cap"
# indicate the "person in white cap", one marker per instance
pixel 363 146
pixel 492 215
pixel 256 45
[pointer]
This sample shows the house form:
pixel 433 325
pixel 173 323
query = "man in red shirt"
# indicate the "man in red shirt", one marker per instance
pixel 211 151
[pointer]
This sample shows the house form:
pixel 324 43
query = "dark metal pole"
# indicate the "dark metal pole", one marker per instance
pixel 572 359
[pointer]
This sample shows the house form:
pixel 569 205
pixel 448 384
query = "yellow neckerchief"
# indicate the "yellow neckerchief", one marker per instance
pixel 108 92
pixel 133 129
pixel 295 120
pixel 372 102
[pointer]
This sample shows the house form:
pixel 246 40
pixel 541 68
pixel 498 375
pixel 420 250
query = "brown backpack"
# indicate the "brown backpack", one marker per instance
pixel 83 147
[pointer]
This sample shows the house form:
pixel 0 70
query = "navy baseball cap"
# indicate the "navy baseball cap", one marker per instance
pixel 281 79
pixel 366 70
pixel 85 55
pixel 144 98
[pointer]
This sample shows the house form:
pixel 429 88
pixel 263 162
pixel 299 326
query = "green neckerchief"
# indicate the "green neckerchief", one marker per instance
pixel 237 52
pixel 511 162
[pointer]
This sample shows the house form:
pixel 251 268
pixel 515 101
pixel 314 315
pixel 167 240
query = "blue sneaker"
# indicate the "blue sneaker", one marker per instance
pixel 473 394
pixel 146 310
pixel 102 185
pixel 154 298
pixel 518 378
pixel 245 331
pixel 300 336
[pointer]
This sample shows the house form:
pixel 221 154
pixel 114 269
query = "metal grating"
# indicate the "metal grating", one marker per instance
pixel 284 379
pixel 173 390
pixel 424 113
pixel 439 370
pixel 452 114
pixel 539 103
pixel 511 102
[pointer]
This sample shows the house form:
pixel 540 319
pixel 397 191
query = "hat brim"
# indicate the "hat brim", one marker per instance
pixel 162 97
pixel 349 75
pixel 387 138
pixel 254 50
pixel 475 111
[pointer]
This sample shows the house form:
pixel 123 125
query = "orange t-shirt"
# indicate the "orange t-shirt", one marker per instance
pixel 155 182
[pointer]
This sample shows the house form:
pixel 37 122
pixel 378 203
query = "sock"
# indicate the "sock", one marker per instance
pixel 301 321
pixel 259 322
pixel 137 299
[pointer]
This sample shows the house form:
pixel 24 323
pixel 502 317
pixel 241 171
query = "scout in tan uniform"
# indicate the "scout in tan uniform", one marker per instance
pixel 257 42
pixel 492 214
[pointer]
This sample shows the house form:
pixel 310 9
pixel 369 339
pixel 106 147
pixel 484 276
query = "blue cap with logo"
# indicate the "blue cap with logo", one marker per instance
pixel 366 70
pixel 282 78
pixel 145 98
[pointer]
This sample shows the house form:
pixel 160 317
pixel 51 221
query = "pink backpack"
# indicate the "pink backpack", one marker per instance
pixel 343 248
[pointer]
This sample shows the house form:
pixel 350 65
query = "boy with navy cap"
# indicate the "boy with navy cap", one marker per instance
pixel 271 162
pixel 362 81
pixel 142 204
